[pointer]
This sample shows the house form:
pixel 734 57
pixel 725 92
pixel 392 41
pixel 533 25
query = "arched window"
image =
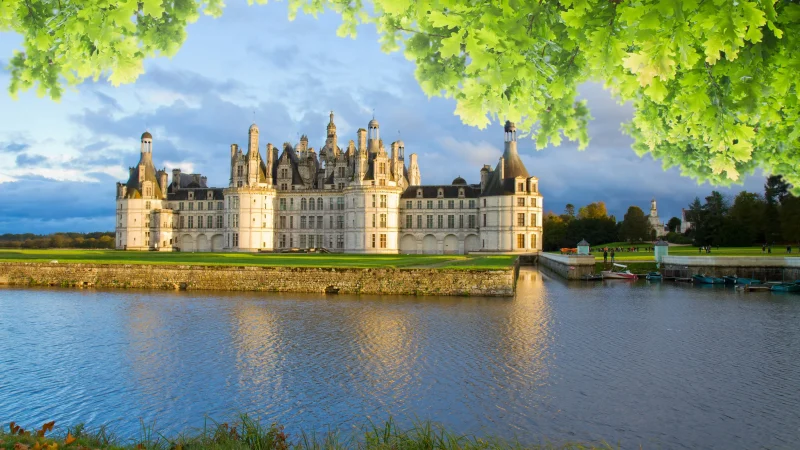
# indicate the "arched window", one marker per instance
pixel 320 204
pixel 311 204
pixel 303 204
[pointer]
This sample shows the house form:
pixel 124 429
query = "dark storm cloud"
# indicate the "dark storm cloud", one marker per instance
pixel 60 205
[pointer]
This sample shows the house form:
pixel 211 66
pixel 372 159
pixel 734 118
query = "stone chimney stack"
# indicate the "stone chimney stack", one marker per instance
pixel 362 140
pixel 502 167
pixel 162 182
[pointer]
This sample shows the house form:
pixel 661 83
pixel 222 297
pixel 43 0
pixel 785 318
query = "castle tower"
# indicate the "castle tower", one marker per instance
pixel 252 156
pixel 414 178
pixel 373 135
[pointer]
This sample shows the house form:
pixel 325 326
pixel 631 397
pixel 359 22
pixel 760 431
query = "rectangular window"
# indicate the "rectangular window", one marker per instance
pixel 430 204
pixel 373 241
pixel 220 206
pixel 484 203
pixel 429 221
pixel 383 201
pixel 419 204
pixel 330 203
pixel 461 204
pixel 533 241
pixel 373 202
pixel 210 222
pixel 409 221
pixel 282 222
pixel 191 222
pixel 283 241
pixel 373 220
pixel 521 219
pixel 472 204
pixel 451 204
pixel 147 205
pixel 451 221
pixel 409 204
pixel 461 221
pixel 199 206
pixel 533 202
pixel 340 203
pixel 472 221
pixel 419 221
pixel 383 241
pixel 339 222
pixel 191 206
pixel 210 206
pixel 383 220
pixel 440 221
pixel 303 241
pixel 320 225
pixel 180 206
pixel 302 222
pixel 521 201
pixel 235 239
pixel 533 220
pixel 282 204
pixel 484 220
pixel 219 222
pixel 330 224
pixel 520 241
pixel 440 204
pixel 310 241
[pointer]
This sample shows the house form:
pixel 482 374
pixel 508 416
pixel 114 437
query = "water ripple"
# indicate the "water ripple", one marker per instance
pixel 657 365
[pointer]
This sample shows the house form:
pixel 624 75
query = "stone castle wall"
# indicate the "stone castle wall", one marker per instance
pixel 270 279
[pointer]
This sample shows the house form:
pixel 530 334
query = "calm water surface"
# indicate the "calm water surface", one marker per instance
pixel 662 366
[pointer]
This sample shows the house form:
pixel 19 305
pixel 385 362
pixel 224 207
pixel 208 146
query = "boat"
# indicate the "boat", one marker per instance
pixel 618 274
pixel 653 276
pixel 733 279
pixel 785 287
pixel 703 279
pixel 592 277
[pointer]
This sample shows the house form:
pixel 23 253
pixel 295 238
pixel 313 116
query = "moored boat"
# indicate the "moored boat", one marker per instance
pixel 733 279
pixel 703 279
pixel 653 276
pixel 785 287
pixel 619 272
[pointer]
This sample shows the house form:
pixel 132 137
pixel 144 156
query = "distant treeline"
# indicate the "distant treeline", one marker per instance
pixel 58 240
pixel 771 218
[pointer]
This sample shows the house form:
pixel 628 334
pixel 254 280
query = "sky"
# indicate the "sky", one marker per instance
pixel 59 162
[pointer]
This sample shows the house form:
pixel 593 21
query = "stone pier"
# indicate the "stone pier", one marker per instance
pixel 571 267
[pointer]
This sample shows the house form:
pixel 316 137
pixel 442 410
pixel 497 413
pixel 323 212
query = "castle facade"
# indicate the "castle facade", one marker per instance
pixel 356 199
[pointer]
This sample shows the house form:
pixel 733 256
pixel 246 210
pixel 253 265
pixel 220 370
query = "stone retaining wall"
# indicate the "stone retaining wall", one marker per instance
pixel 274 279
pixel 762 268
pixel 571 267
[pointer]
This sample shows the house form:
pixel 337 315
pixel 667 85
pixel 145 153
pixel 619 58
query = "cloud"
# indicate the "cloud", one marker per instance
pixel 281 56
pixel 24 160
pixel 14 147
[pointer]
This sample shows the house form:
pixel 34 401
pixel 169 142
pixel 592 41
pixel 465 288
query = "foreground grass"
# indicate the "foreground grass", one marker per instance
pixel 642 255
pixel 328 260
pixel 634 267
pixel 247 433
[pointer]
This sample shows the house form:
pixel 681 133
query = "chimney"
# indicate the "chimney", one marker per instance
pixel 176 177
pixel 502 166
pixel 234 148
pixel 162 183
pixel 394 151
pixel 362 140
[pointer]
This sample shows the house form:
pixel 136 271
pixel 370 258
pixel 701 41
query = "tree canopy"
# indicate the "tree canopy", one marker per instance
pixel 635 227
pixel 712 82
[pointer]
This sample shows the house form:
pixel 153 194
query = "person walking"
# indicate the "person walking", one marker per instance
pixel 605 257
pixel 763 248
pixel 612 256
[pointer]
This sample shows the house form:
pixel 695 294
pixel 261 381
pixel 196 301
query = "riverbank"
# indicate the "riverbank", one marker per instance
pixel 247 433
pixel 464 281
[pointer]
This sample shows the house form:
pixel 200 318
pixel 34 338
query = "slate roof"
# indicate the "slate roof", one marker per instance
pixel 199 194
pixel 450 191
pixel 149 175
pixel 512 168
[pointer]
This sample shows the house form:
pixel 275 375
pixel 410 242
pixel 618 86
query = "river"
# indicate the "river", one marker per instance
pixel 659 365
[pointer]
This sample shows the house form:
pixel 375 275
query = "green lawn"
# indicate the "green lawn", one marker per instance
pixel 692 251
pixel 257 259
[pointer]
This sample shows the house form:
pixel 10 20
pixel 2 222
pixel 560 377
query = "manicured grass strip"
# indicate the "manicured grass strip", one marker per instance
pixel 327 260
pixel 692 251
pixel 247 433
pixel 635 267
pixel 482 262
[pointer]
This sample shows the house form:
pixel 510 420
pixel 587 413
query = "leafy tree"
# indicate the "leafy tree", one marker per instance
pixel 713 83
pixel 745 221
pixel 569 210
pixel 635 227
pixel 790 219
pixel 776 189
pixel 596 210
pixel 674 225
pixel 554 231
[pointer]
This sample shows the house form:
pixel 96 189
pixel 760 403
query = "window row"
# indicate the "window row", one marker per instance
pixel 311 204
pixel 451 204
pixel 521 242
pixel 311 241
pixel 521 220
pixel 429 221
pixel 381 240
pixel 209 206
pixel 200 222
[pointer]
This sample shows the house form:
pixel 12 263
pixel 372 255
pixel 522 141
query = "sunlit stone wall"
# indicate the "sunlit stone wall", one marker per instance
pixel 345 281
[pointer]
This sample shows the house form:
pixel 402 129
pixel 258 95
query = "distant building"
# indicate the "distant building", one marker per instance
pixel 656 225
pixel 360 199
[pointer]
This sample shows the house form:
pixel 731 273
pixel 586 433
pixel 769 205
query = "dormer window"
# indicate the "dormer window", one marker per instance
pixel 461 192
pixel 419 193
pixel 521 187
pixel 440 193
pixel 239 171
pixel 191 195
pixel 209 196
